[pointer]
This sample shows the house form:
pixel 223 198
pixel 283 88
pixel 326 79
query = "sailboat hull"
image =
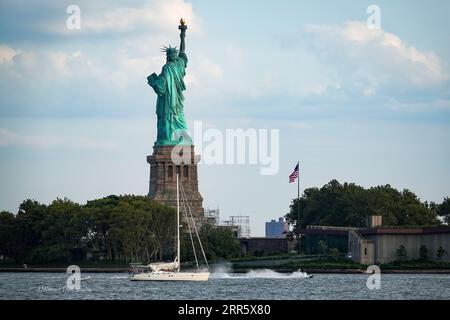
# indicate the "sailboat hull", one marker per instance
pixel 171 276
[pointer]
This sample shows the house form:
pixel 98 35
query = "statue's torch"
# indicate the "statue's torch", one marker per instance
pixel 182 26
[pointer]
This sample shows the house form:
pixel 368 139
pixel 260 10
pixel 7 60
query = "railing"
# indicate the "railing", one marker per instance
pixel 331 228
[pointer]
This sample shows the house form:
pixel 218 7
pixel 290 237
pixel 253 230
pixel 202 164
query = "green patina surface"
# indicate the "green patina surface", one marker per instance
pixel 169 87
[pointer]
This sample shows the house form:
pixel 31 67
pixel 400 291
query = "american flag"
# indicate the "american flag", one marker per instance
pixel 294 174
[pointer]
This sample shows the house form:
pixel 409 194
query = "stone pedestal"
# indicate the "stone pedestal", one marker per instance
pixel 163 184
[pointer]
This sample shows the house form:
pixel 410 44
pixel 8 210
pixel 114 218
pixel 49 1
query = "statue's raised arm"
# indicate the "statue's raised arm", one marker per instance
pixel 182 28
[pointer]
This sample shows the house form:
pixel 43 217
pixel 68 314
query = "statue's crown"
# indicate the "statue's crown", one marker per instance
pixel 169 50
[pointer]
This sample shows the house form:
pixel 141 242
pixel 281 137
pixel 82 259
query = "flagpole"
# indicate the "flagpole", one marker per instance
pixel 298 205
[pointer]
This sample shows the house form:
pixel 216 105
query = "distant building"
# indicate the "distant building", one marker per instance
pixel 276 229
pixel 320 239
pixel 264 246
pixel 377 243
pixel 381 244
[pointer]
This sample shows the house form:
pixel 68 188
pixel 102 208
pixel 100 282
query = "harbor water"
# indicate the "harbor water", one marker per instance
pixel 261 284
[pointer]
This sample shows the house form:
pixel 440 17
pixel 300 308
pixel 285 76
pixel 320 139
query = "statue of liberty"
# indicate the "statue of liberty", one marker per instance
pixel 169 87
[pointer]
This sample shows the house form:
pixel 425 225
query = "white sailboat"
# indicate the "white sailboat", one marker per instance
pixel 170 271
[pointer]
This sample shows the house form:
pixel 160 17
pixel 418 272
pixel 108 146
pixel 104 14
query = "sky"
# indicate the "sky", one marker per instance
pixel 369 106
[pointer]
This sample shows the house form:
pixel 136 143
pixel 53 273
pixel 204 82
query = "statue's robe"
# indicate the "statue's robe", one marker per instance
pixel 169 87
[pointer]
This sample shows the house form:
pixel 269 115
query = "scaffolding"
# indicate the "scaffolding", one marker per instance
pixel 241 224
pixel 212 216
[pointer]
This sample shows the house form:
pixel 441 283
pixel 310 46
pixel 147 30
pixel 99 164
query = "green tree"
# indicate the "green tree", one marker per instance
pixel 99 221
pixel 218 243
pixel 444 210
pixel 30 219
pixel 131 228
pixel 8 235
pixel 61 230
pixel 114 228
pixel 349 205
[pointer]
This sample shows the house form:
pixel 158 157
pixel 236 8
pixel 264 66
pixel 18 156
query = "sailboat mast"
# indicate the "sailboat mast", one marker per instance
pixel 178 226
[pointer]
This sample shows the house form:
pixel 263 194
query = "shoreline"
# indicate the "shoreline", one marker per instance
pixel 312 271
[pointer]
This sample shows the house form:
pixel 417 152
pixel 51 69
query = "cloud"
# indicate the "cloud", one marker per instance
pixel 6 54
pixel 419 106
pixel 10 138
pixel 205 73
pixel 42 63
pixel 161 14
pixel 103 71
pixel 212 69
pixel 105 68
pixel 54 79
pixel 370 62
